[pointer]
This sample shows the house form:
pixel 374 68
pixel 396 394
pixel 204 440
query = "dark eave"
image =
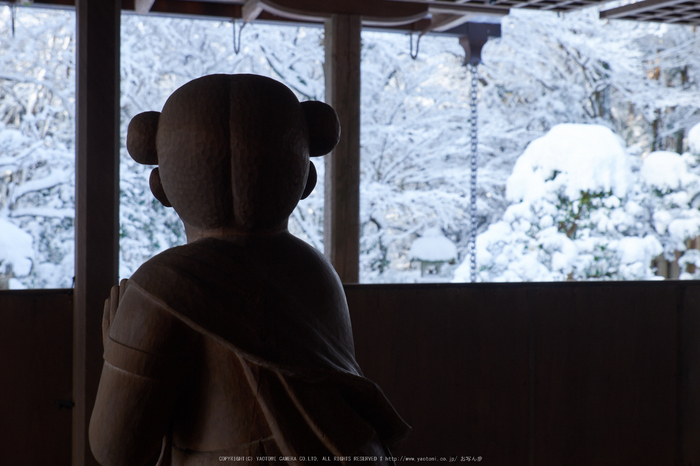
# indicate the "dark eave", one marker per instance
pixel 440 17
pixel 661 11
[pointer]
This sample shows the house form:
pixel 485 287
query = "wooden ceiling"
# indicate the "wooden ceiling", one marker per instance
pixel 438 16
pixel 663 11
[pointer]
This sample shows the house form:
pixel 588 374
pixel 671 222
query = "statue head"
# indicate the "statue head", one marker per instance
pixel 233 150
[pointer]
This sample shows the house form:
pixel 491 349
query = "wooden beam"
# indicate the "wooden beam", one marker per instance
pixel 237 9
pixel 96 201
pixel 143 6
pixel 197 9
pixel 374 11
pixel 342 177
pixel 450 8
pixel 440 22
pixel 251 10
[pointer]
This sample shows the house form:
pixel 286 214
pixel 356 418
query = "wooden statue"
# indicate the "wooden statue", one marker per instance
pixel 238 345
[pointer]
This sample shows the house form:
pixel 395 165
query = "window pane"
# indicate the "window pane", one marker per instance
pixel 632 85
pixel 158 55
pixel 37 174
pixel 415 160
pixel 589 157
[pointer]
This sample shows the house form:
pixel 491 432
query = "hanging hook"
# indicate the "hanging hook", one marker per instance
pixel 13 13
pixel 237 43
pixel 410 38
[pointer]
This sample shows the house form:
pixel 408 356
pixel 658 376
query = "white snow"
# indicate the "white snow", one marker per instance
pixel 580 211
pixel 15 249
pixel 44 212
pixel 563 250
pixel 642 250
pixel 573 157
pixel 694 139
pixel 690 257
pixel 55 178
pixel 665 170
pixel 15 284
pixel 546 106
pixel 661 220
pixel 684 228
pixel 433 246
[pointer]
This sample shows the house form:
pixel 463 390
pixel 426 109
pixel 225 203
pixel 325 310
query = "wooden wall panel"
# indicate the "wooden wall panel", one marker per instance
pixel 545 374
pixel 688 409
pixel 457 374
pixel 605 374
pixel 36 334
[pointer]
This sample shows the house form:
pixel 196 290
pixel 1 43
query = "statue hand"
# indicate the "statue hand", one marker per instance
pixel 111 305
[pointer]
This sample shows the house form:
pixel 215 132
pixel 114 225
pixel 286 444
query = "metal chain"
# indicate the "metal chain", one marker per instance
pixel 471 244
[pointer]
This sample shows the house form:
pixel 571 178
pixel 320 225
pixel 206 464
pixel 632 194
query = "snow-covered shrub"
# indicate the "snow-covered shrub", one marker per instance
pixel 670 187
pixel 582 208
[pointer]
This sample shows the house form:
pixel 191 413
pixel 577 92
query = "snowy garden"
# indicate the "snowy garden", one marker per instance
pixel 589 145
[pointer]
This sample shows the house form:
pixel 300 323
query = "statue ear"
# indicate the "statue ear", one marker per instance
pixel 141 144
pixel 141 138
pixel 310 181
pixel 157 188
pixel 324 127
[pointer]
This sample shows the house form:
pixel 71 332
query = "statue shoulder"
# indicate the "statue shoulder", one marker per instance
pixel 165 265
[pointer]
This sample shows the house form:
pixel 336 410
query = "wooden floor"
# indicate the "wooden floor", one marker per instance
pixel 517 374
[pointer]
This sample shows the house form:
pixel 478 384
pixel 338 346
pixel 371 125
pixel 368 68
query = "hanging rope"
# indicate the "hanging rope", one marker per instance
pixel 237 43
pixel 471 244
pixel 410 38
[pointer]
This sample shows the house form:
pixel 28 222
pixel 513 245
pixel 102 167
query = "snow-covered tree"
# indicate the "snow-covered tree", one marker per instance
pixel 639 80
pixel 37 82
pixel 414 156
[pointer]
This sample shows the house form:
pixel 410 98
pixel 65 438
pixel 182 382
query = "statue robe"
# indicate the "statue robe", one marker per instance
pixel 251 341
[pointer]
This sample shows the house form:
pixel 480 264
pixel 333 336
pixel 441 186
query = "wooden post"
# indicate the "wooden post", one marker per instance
pixel 342 178
pixel 96 201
